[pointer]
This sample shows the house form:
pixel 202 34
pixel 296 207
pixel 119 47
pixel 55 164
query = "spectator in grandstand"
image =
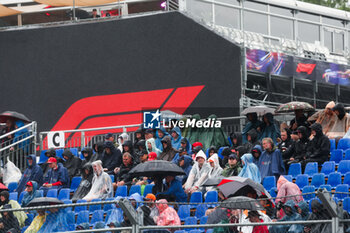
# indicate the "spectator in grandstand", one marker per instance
pixel 10 126
pixel 20 215
pixel 37 222
pixel 85 185
pixel 149 134
pixel 98 150
pixel 212 150
pixel 135 200
pixel 236 139
pixel 167 215
pixel 324 117
pixel 32 192
pixel 185 162
pixel 252 139
pixel 168 151
pixel 160 134
pixel 33 172
pixel 225 153
pixel 318 213
pixel 141 147
pixel 56 221
pixel 226 216
pixel 176 138
pixel 268 205
pixel 181 152
pixel 269 128
pixel 284 144
pixel 319 147
pixel 253 123
pixel 341 124
pixel 144 156
pixel 195 150
pixel 215 170
pixel 150 203
pixel 173 190
pixel 270 161
pixel 286 188
pixel 111 157
pixel 198 174
pixel 121 139
pixel 240 151
pixel 233 167
pixel 152 156
pixel 151 147
pixel 291 215
pixel 50 153
pixel 256 152
pixel 250 170
pixel 115 218
pixel 147 220
pixel 56 178
pixel 303 210
pixel 72 163
pixel 122 176
pixel 299 120
pixel 128 147
pixel 94 14
pixel 297 151
pixel 138 136
pixel 101 183
pixel 89 157
pixel 254 217
pixel 110 137
pixel 19 135
pixel 8 222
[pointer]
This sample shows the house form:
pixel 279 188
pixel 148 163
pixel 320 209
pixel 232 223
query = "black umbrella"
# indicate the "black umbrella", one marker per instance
pixel 13 116
pixel 213 181
pixel 241 202
pixel 43 201
pixel 157 168
pixel 217 215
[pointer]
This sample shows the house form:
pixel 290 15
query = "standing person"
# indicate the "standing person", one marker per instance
pixel 250 170
pixel 33 172
pixel 270 161
pixel 168 151
pixel 286 188
pixel 236 139
pixel 32 192
pixel 85 185
pixel 341 124
pixel 233 167
pixel 10 126
pixel 269 129
pixel 299 120
pixel 72 163
pixel 56 178
pixel 89 157
pixel 111 157
pixel 324 117
pixel 101 183
pixel 254 217
pixel 176 138
pixel 253 123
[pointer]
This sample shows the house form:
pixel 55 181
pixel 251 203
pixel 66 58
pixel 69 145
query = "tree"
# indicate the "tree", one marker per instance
pixel 339 4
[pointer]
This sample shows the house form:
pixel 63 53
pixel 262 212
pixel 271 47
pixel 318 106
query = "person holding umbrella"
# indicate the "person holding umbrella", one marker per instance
pixel 174 190
pixel 253 123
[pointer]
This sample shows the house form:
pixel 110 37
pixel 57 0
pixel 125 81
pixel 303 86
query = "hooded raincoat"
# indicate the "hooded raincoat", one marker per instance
pixel 271 163
pixel 85 184
pixel 154 147
pixel 270 129
pixel 167 215
pixel 287 188
pixel 319 213
pixel 9 221
pixel 32 173
pixel 319 147
pixel 37 223
pixel 55 222
pixel 258 149
pixel 20 215
pixel 187 167
pixel 253 124
pixel 91 157
pixel 298 150
pixel 238 137
pixel 249 145
pixel 341 124
pixel 304 210
pixel 19 135
pixel 158 141
pixel 292 216
pixel 121 139
pixel 112 160
pixel 101 183
pixel 250 170
pixel 176 143
pixel 169 152
pixel 28 196
pixel 326 120
pixel 73 164
pixel 215 171
pixel 198 175
pixel 98 149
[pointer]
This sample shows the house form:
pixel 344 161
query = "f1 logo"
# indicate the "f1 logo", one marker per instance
pixel 55 139
pixel 151 119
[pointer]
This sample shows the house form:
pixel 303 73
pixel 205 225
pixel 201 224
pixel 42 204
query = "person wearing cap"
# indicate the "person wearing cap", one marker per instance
pixel 50 153
pixel 233 167
pixel 160 134
pixel 144 156
pixel 215 170
pixel 150 200
pixel 72 163
pixel 152 156
pixel 5 200
pixel 256 152
pixel 196 147
pixel 31 193
pixel 149 134
pixel 56 178
pixel 324 117
pixel 110 137
pixel 33 172
pixel 176 138
pixel 111 157
pixel 173 190
pixel 181 152
pixel 151 146
pixel 168 151
pixel 198 175
pixel 254 217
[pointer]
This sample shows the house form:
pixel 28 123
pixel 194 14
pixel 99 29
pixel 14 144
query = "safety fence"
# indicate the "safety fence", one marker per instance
pixel 127 214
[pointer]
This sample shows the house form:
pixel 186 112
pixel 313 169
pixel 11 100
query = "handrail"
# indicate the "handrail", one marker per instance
pixel 18 142
pixel 19 129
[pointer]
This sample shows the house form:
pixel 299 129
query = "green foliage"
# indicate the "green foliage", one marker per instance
pixel 339 4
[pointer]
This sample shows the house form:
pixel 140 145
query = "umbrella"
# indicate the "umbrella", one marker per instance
pixel 13 116
pixel 156 168
pixel 260 110
pixel 43 201
pixel 238 186
pixel 217 215
pixel 243 203
pixel 213 181
pixel 3 187
pixel 292 106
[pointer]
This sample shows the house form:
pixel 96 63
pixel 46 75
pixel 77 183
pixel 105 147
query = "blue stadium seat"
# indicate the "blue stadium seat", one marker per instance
pixel 29 219
pixel 346 204
pixel 59 153
pixel 336 156
pixel 294 169
pixel 343 188
pixel 92 208
pixel 184 212
pixel 200 210
pixel 135 189
pixel 347 154
pixel 68 202
pixel 203 220
pixel 190 221
pixel 21 196
pixel 41 192
pixel 288 177
pixel 344 166
pixel 148 189
pixel 13 196
pixel 70 217
pixel 332 141
pixel 269 182
pixel 196 197
pixel 74 151
pixel 195 231
pixel 42 158
pixel 75 183
pixel 229 140
pixel 347 178
pixel 327 187
pixel 207 152
pixel 311 168
pixel 309 189
pixel 83 216
pixel 107 207
pixel 328 167
pixel 77 209
pixel 122 191
pixel 64 194
pixel 12 186
pixel 212 196
pixel 344 144
pixel 273 192
pixel 52 193
pixel 318 179
pixel 209 231
pixel 302 180
pixel 97 216
pixel 220 151
pixel 334 179
pixel 112 178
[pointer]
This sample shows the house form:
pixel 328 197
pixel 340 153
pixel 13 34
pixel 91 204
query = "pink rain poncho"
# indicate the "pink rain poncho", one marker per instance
pixel 167 215
pixel 287 188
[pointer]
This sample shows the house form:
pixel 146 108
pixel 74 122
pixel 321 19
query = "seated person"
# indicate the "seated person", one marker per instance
pixel 87 174
pixel 168 151
pixel 32 192
pixel 167 215
pixel 160 134
pixel 32 173
pixel 233 167
pixel 341 124
pixel 250 170
pixel 151 146
pixel 185 162
pixel 291 215
pixel 72 163
pixel 8 222
pixel 285 189
pixel 128 147
pixel 20 215
pixel 186 145
pixel 46 166
pixel 297 151
pixel 37 222
pixel 111 157
pixel 182 152
pixel 173 190
pixel 56 178
pixel 215 170
pixel 89 156
pixel 122 176
pixel 256 152
pixel 176 138
pixel 101 183
pixel 254 217
pixel 56 221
